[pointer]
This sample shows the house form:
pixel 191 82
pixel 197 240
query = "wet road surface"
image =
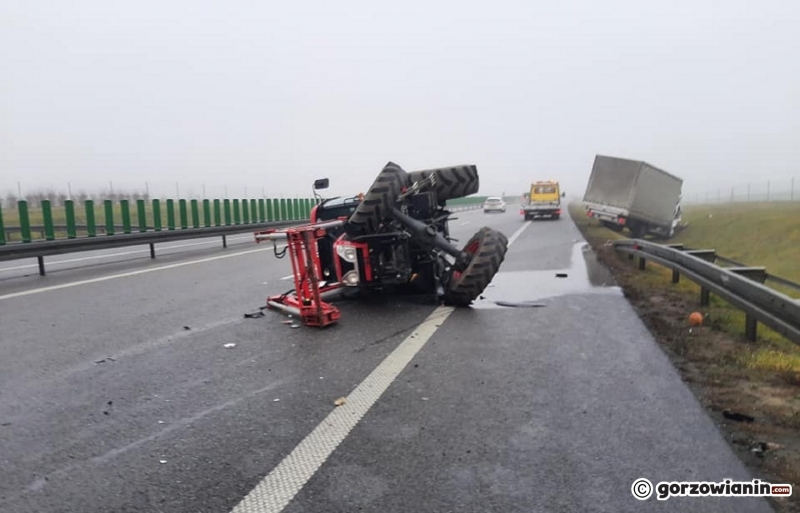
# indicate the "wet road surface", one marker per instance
pixel 120 394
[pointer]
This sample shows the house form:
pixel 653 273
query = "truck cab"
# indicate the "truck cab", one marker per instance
pixel 543 200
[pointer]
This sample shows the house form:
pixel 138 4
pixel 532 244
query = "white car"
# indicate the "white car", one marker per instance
pixel 494 204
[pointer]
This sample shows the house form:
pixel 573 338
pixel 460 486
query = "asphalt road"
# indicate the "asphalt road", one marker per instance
pixel 117 392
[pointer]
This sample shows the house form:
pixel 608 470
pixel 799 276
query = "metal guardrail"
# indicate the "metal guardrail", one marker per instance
pixel 41 248
pixel 742 286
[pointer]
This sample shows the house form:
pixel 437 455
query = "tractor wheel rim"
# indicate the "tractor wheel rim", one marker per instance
pixel 471 249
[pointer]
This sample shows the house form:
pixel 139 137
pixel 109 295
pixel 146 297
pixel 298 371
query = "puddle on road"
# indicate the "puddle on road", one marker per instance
pixel 528 289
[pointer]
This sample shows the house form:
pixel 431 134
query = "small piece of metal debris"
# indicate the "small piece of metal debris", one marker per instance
pixel 229 345
pixel 424 398
pixel 160 421
pixel 187 328
pixel 286 322
pixel 275 400
pixel 295 325
pixel 162 461
pixel 340 401
pixel 561 275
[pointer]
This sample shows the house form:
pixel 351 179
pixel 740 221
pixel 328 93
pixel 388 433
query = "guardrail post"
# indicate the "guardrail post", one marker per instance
pixel 227 212
pixel 47 215
pixel 183 213
pixel 262 210
pixel 207 213
pixel 642 263
pixel 217 212
pixel 270 214
pixel 24 221
pixel 676 276
pixel 750 327
pixel 109 208
pixel 289 210
pixel 245 211
pixel 284 216
pixel 237 213
pixel 91 225
pixel 253 211
pixel 296 209
pixel 2 227
pixel 126 216
pixel 705 296
pixel 157 215
pixel 195 214
pixel 141 215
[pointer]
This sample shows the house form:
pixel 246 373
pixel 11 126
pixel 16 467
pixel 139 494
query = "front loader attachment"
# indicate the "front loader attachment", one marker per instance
pixel 305 301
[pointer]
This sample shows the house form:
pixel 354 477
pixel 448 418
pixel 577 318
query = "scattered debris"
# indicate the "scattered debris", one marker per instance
pixel 526 304
pixel 107 358
pixel 295 326
pixel 424 398
pixel 162 461
pixel 561 275
pixel 275 400
pixel 230 345
pixel 738 417
pixel 340 401
pixel 254 315
pixel 5 424
pixel 160 421
pixel 286 322
pixel 187 328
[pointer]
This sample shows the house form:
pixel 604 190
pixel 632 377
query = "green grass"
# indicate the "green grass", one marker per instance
pixel 754 234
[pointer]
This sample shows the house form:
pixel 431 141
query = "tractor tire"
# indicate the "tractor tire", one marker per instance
pixel 488 248
pixel 451 182
pixel 378 201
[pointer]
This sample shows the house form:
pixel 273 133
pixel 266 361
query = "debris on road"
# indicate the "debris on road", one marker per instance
pixel 738 417
pixel 340 401
pixel 162 461
pixel 561 275
pixel 187 328
pixel 108 358
pixel 275 400
pixel 526 304
pixel 230 345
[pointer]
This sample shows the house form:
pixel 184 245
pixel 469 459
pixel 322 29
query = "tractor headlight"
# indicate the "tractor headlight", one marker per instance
pixel 350 278
pixel 347 252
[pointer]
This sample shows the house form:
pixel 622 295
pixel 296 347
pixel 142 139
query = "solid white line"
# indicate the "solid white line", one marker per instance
pixel 517 233
pixel 280 486
pixel 131 273
pixel 111 255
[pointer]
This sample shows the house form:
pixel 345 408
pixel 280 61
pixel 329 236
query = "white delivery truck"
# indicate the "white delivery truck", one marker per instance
pixel 633 194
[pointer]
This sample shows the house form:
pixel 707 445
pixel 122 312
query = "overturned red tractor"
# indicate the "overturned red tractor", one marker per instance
pixel 393 238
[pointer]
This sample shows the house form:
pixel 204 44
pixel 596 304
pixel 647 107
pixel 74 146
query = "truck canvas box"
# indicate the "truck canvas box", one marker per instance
pixel 633 194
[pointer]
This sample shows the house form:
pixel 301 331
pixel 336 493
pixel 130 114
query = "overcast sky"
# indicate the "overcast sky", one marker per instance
pixel 271 95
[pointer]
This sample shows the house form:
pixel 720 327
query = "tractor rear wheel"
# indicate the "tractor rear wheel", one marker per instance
pixel 488 249
pixel 378 201
pixel 451 182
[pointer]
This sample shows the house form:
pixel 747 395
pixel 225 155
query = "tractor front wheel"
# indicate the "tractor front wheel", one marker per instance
pixel 488 250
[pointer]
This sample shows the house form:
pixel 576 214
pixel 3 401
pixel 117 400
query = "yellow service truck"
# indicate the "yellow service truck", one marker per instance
pixel 543 200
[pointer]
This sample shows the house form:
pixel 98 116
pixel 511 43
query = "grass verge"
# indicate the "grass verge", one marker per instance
pixel 726 372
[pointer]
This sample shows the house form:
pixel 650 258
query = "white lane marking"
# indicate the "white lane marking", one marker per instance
pixel 517 233
pixel 111 255
pixel 280 486
pixel 131 273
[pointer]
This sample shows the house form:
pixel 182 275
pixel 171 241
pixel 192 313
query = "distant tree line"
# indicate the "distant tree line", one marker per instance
pixel 58 198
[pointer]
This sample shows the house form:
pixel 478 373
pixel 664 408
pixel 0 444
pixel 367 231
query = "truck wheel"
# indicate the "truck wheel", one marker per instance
pixel 451 182
pixel 378 201
pixel 488 249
